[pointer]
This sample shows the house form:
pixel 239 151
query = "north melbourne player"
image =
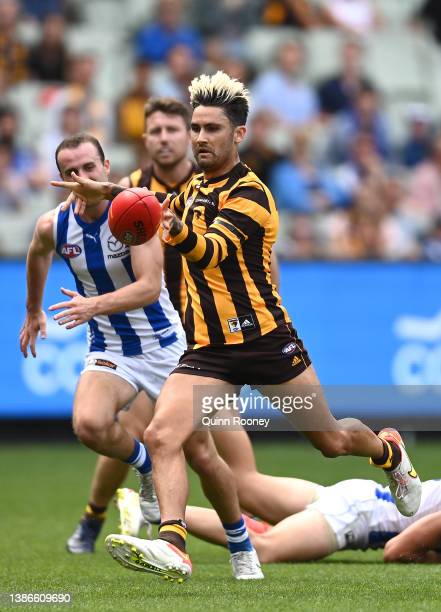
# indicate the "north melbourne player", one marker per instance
pixel 135 335
pixel 352 514
pixel 167 140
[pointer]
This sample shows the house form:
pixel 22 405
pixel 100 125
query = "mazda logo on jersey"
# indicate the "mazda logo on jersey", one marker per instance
pixel 70 250
pixel 114 245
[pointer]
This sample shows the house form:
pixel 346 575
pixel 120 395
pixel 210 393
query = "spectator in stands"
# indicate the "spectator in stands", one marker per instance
pixel 365 117
pixel 423 202
pixel 13 54
pixel 419 139
pixel 47 60
pixel 375 226
pixel 79 91
pixel 283 90
pixel 130 108
pixel 70 124
pixel 431 244
pixel 259 154
pixel 220 56
pixel 236 67
pixel 13 189
pixel 430 16
pixel 303 186
pixel 300 14
pixel 337 93
pixel 359 17
pixel 226 18
pixel 40 9
pixel 155 41
pixel 363 165
pixel 297 237
pixel 173 80
pixel 22 160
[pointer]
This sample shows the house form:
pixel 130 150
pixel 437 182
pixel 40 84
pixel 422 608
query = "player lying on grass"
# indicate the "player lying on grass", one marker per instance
pixel 352 514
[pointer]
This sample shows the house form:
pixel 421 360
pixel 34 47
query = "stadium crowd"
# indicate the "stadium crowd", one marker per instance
pixel 346 98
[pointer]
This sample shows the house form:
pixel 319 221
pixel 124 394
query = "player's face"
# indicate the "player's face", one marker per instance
pixel 85 161
pixel 214 140
pixel 166 138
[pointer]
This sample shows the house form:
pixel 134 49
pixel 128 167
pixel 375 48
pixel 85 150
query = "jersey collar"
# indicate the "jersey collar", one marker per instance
pixel 93 224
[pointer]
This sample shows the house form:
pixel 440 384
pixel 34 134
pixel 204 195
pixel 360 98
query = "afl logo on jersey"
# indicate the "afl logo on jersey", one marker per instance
pixel 70 250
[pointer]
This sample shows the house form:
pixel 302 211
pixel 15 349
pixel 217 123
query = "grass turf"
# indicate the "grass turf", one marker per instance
pixel 44 490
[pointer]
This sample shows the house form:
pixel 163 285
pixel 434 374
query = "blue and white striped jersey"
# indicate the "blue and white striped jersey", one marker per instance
pixel 385 521
pixel 101 264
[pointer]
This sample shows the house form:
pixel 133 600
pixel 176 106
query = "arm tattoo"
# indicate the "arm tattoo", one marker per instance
pixel 115 190
pixel 176 226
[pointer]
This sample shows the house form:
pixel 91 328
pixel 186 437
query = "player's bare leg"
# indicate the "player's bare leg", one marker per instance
pixel 108 476
pixel 272 498
pixel 110 473
pixel 172 426
pixel 351 437
pixel 302 537
pixel 98 399
pixel 204 459
pixel 174 422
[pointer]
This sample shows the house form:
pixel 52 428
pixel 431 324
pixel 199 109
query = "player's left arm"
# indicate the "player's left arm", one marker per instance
pixel 246 211
pixel 418 543
pixel 147 263
pixel 275 270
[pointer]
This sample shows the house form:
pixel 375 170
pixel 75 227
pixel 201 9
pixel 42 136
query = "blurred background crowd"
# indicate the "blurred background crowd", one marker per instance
pixel 345 117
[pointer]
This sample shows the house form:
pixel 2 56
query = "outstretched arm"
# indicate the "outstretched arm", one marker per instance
pixel 418 543
pixel 147 261
pixel 37 265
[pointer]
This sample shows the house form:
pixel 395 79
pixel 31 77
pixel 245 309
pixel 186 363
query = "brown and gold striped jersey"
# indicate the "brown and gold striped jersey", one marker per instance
pixel 172 259
pixel 230 226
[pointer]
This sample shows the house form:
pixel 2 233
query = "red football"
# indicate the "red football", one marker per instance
pixel 134 216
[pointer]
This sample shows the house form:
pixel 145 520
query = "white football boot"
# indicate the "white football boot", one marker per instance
pixel 246 566
pixel 152 556
pixel 147 499
pixel 130 517
pixel 404 482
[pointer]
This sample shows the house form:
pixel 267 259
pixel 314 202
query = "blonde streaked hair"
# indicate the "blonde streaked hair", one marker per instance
pixel 221 90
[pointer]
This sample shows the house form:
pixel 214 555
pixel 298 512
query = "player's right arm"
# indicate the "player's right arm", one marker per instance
pixel 418 543
pixel 38 261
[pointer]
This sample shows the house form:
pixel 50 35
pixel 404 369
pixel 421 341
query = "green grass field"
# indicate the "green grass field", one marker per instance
pixel 44 489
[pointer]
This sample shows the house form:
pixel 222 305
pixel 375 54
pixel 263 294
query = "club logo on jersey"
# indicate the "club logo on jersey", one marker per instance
pixel 241 323
pixel 70 250
pixel 289 348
